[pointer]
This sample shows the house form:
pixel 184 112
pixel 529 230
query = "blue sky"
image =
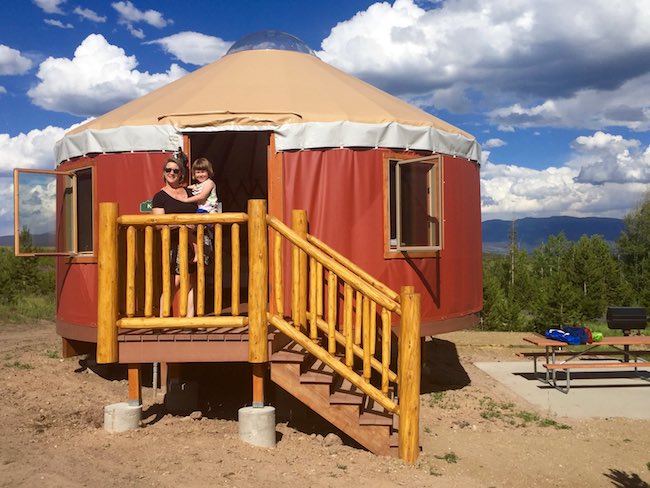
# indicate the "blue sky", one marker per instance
pixel 556 92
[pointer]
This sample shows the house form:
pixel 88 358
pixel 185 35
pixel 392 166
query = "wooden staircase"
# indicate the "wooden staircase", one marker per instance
pixel 335 399
pixel 347 379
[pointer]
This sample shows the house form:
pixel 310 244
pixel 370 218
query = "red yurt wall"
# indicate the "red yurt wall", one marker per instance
pixel 127 178
pixel 342 191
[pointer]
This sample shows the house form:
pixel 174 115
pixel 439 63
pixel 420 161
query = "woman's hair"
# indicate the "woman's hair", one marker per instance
pixel 204 164
pixel 182 175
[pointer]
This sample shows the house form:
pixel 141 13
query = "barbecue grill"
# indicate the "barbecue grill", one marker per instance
pixel 627 318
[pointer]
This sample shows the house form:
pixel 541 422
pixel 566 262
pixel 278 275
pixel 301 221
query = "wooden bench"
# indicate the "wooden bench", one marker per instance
pixel 542 354
pixel 569 366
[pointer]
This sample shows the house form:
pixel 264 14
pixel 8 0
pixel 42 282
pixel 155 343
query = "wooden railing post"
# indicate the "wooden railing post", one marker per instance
pixel 299 271
pixel 107 350
pixel 258 284
pixel 409 376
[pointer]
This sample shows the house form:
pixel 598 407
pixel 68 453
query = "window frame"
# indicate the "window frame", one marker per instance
pixel 74 254
pixel 434 203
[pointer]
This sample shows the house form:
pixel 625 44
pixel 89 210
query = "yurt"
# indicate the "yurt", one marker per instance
pixel 389 186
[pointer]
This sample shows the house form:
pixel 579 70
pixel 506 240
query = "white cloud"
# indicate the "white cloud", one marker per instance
pixel 495 142
pixel 6 206
pixel 129 14
pixel 194 47
pixel 37 203
pixel 606 158
pixel 578 188
pixel 135 32
pixel 624 106
pixel 554 58
pixel 58 23
pixel 34 150
pixel 88 14
pixel 97 79
pixel 50 6
pixel 12 62
pixel 2 89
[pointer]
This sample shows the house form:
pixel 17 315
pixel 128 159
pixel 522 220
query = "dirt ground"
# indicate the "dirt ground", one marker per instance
pixel 475 432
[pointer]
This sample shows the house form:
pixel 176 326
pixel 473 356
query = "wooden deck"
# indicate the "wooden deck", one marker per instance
pixel 185 345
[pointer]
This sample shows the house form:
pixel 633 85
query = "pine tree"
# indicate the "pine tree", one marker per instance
pixel 634 251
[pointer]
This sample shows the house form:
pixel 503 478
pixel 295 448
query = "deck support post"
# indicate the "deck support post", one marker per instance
pixel 409 371
pixel 107 303
pixel 258 278
pixel 135 384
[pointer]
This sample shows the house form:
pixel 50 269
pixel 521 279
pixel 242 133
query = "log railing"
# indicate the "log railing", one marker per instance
pixel 136 281
pixel 326 295
pixel 337 312
pixel 337 308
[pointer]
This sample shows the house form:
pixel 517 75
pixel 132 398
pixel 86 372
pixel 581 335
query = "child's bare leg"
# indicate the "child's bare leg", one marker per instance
pixel 195 259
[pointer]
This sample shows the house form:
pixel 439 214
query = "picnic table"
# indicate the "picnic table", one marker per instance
pixel 629 349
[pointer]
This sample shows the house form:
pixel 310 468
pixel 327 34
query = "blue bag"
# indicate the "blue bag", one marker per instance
pixel 579 332
pixel 561 335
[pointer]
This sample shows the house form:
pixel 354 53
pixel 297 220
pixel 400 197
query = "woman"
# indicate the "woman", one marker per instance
pixel 169 200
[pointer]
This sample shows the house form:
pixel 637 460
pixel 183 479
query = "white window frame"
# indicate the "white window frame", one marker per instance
pixel 74 251
pixel 434 205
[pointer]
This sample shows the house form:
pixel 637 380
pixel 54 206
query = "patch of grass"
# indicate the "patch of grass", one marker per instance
pixel 493 410
pixel 553 423
pixel 29 308
pixel 450 457
pixel 527 416
pixel 647 465
pixel 504 411
pixel 427 430
pixel 52 354
pixel 436 397
pixel 19 365
pixel 341 466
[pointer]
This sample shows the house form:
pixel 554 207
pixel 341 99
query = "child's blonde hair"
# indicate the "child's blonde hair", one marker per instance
pixel 204 164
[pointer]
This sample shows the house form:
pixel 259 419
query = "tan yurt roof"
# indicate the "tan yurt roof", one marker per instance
pixel 305 101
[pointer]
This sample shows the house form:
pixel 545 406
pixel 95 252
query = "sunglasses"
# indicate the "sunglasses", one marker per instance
pixel 172 170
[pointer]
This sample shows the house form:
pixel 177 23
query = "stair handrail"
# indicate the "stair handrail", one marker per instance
pixel 333 362
pixel 371 280
pixel 358 352
pixel 349 276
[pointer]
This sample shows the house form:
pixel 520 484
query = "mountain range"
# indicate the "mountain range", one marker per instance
pixel 531 232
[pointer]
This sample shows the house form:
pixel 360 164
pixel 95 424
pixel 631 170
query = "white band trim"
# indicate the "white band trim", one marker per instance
pixel 310 135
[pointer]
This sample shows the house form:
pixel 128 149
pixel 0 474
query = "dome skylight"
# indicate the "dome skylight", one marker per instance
pixel 270 39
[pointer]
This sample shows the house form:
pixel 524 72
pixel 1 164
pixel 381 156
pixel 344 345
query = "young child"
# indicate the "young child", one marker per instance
pixel 204 192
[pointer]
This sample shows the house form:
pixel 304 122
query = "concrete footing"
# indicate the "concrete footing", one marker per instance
pixel 257 426
pixel 120 417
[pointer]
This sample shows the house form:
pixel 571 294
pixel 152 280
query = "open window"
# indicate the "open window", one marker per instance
pixel 53 212
pixel 414 206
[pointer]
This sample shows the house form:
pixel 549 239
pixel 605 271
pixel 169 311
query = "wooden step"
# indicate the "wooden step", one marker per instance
pixel 290 353
pixel 316 396
pixel 317 372
pixel 345 393
pixel 374 414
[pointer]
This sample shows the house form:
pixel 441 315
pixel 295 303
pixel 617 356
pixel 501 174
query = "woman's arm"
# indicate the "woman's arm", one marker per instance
pixel 158 211
pixel 208 186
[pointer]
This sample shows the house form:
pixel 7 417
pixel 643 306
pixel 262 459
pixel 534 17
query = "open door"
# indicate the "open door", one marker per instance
pixel 239 160
pixel 53 212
